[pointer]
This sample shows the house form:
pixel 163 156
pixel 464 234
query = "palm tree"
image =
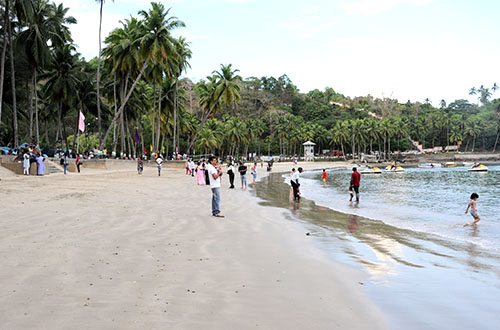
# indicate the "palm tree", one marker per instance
pixel 62 80
pixel 472 129
pixel 183 55
pixel 223 85
pixel 340 134
pixel 45 23
pixel 98 75
pixel 153 42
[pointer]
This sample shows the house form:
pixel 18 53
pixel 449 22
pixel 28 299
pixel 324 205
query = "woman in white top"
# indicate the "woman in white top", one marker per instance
pixel 26 163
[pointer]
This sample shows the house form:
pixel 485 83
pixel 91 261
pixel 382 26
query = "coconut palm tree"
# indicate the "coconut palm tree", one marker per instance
pixel 62 80
pixel 98 74
pixel 152 42
pixel 182 64
pixel 222 86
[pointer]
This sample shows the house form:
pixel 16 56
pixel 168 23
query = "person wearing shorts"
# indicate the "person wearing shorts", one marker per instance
pixel 354 186
pixel 243 173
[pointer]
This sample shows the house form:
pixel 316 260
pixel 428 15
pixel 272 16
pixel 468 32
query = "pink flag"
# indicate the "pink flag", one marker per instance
pixel 81 122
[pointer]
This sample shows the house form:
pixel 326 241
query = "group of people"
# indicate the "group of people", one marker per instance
pixel 32 157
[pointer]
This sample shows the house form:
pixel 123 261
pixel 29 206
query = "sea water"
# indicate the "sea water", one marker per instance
pixel 431 201
pixel 425 269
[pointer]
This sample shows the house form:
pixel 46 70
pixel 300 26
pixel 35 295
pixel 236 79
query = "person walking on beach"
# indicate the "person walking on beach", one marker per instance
pixel 26 163
pixel 78 162
pixel 140 165
pixel 191 167
pixel 323 177
pixel 230 172
pixel 159 161
pixel 199 174
pixel 243 173
pixel 354 185
pixel 295 185
pixel 254 173
pixel 473 209
pixel 65 161
pixel 215 172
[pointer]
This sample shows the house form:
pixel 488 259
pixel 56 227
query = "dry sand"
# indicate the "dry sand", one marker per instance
pixel 115 250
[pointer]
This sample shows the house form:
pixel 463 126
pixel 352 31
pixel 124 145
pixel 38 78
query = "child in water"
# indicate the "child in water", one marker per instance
pixel 473 209
pixel 323 177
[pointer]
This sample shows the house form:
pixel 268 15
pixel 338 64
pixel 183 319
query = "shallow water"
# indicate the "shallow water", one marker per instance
pixel 426 271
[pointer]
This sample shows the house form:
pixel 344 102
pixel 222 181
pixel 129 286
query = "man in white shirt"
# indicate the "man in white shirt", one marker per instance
pixel 159 161
pixel 191 166
pixel 214 174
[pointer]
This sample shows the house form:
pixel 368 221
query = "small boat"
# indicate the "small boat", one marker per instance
pixel 371 170
pixel 429 165
pixel 396 169
pixel 450 164
pixel 478 168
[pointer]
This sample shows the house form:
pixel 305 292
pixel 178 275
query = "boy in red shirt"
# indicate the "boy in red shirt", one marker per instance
pixel 355 179
pixel 324 175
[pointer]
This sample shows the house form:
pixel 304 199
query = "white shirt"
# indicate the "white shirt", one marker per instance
pixel 214 183
pixel 191 165
pixel 159 161
pixel 295 177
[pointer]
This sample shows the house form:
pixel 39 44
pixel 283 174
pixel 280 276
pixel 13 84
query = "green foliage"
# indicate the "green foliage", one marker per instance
pixel 85 143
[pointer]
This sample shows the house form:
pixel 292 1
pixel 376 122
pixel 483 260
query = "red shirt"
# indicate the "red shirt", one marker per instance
pixel 324 175
pixel 355 178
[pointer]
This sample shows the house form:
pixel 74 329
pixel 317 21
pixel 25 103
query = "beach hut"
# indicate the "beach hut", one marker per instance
pixel 309 151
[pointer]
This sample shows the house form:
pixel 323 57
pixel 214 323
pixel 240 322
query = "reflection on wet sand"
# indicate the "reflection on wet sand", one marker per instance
pixel 387 244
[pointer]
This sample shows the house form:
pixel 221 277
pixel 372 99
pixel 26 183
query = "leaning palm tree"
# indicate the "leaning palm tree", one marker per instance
pixel 98 75
pixel 183 56
pixel 154 43
pixel 223 85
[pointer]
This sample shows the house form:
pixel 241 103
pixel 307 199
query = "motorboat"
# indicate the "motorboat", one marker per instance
pixel 478 168
pixel 371 170
pixel 450 164
pixel 395 169
pixel 429 165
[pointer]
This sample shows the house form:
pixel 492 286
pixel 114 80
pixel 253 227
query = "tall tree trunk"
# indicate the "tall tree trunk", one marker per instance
pixel 98 77
pixel 158 122
pixel 31 105
pixel 154 117
pixel 2 60
pixel 13 86
pixel 175 114
pixel 162 144
pixel 142 138
pixel 36 110
pixel 473 142
pixel 122 135
pixel 496 140
pixel 115 137
pixel 122 106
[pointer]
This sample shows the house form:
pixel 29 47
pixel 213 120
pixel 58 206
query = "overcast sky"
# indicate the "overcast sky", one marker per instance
pixel 405 49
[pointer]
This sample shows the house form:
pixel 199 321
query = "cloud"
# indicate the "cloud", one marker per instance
pixel 309 25
pixel 375 7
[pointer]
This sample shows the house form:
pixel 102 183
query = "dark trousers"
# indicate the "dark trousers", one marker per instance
pixel 231 179
pixel 78 167
pixel 295 187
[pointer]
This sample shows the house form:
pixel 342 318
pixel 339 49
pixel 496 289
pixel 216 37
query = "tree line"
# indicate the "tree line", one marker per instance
pixel 136 100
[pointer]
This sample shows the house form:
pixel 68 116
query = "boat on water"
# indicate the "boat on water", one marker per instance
pixel 395 169
pixel 371 170
pixel 450 164
pixel 478 168
pixel 429 165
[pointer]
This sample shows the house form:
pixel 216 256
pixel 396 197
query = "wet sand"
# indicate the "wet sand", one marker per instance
pixel 115 250
pixel 419 281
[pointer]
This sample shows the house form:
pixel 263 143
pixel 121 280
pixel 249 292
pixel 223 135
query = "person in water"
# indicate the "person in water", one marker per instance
pixel 323 177
pixel 354 184
pixel 473 209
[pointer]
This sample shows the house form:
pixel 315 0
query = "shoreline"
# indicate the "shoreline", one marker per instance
pixel 118 250
pixel 405 268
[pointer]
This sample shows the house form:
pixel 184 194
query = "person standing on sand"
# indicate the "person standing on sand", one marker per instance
pixel 78 162
pixel 191 167
pixel 323 177
pixel 243 173
pixel 230 172
pixel 473 209
pixel 159 161
pixel 215 172
pixel 354 185
pixel 254 173
pixel 41 163
pixel 65 161
pixel 140 165
pixel 295 185
pixel 26 163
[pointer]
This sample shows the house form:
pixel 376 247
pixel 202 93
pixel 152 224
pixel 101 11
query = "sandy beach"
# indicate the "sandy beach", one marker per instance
pixel 115 250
